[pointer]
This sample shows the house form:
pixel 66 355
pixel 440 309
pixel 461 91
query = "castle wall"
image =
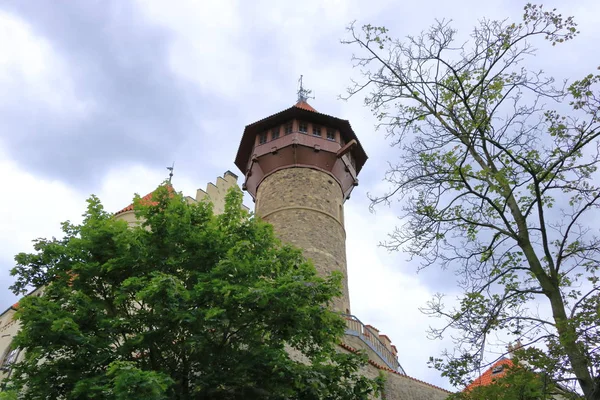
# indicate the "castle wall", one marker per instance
pixel 8 329
pixel 215 193
pixel 402 387
pixel 358 344
pixel 129 217
pixel 305 207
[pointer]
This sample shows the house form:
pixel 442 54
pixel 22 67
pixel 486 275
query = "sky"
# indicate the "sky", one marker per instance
pixel 100 96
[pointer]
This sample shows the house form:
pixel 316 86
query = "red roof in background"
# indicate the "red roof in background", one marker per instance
pixel 145 200
pixel 305 106
pixel 488 377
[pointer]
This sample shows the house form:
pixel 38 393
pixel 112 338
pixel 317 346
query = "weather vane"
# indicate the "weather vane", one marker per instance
pixel 171 171
pixel 303 94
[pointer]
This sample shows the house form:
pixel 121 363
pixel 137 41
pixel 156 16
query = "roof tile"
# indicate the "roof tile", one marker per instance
pixel 145 200
pixel 305 106
pixel 488 377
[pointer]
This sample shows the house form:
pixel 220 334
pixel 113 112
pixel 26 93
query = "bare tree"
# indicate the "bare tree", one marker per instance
pixel 495 176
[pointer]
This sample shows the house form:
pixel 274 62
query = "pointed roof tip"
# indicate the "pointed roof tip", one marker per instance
pixel 147 199
pixel 305 106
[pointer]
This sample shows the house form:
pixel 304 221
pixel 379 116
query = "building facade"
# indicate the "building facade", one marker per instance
pixel 299 166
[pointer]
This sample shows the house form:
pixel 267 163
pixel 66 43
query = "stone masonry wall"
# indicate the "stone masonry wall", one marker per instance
pixel 402 387
pixel 305 207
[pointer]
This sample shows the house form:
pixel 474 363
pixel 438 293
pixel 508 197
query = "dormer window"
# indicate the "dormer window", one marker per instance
pixel 289 127
pixel 262 138
pixel 302 127
pixel 330 134
pixel 316 130
pixel 275 132
pixel 497 369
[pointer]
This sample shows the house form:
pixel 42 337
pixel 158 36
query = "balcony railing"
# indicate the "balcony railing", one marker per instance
pixel 356 328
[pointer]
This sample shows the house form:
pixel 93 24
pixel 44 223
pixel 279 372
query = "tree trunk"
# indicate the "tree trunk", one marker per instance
pixel 566 333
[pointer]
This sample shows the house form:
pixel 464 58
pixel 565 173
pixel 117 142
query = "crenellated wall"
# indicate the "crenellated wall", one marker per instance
pixel 215 193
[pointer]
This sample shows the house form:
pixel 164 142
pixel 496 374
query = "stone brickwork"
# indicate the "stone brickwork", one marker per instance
pixel 305 207
pixel 397 386
pixel 401 387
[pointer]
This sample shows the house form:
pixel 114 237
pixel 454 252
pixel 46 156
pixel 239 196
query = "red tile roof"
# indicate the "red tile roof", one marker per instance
pixel 488 377
pixel 305 106
pixel 147 199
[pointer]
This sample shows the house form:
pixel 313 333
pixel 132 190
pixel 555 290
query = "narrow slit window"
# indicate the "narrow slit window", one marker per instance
pixel 316 130
pixel 303 127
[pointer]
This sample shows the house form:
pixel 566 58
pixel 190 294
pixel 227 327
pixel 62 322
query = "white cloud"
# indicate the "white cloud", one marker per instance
pixel 206 46
pixel 31 70
pixel 386 292
pixel 251 55
pixel 33 207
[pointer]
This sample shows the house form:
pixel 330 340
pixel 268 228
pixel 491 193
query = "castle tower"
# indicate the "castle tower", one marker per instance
pixel 300 166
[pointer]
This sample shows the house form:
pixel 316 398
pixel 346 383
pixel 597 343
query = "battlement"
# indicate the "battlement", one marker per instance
pixel 216 192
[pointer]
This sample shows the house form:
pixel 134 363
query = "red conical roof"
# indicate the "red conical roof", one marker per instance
pixel 305 106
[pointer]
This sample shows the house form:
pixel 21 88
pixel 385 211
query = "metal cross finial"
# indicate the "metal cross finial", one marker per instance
pixel 303 94
pixel 171 171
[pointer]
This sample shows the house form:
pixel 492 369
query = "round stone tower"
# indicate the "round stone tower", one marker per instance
pixel 300 166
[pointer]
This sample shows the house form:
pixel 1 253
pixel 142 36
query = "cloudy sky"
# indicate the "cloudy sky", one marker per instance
pixel 99 96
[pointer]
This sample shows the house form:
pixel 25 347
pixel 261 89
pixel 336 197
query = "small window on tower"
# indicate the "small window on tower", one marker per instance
pixel 288 128
pixel 262 138
pixel 316 130
pixel 330 134
pixel 303 127
pixel 342 141
pixel 275 133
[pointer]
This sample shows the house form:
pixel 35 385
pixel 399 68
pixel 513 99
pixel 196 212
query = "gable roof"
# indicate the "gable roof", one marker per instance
pixel 488 377
pixel 147 199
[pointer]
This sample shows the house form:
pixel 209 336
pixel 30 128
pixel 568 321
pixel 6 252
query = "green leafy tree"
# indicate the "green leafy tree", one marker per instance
pixel 497 180
pixel 187 305
pixel 516 383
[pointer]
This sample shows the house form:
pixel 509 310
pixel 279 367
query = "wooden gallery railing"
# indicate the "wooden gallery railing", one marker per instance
pixel 356 328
